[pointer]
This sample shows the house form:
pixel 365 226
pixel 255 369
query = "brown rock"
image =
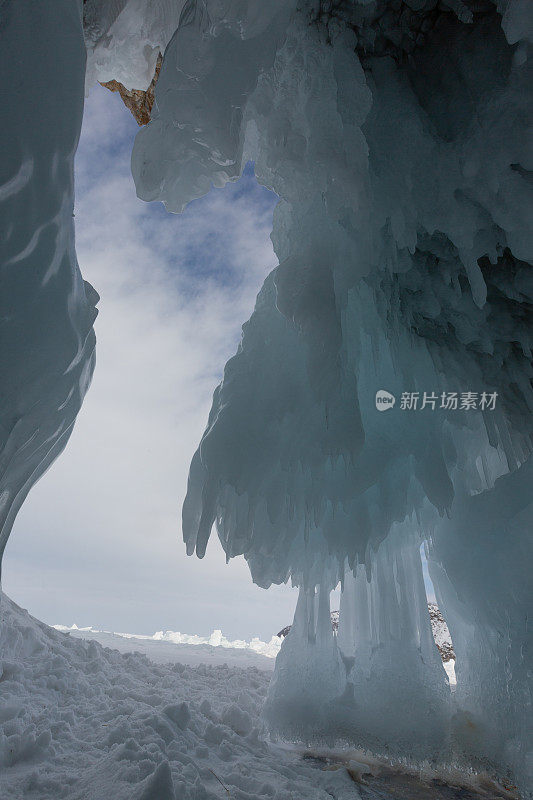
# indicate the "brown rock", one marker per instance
pixel 138 101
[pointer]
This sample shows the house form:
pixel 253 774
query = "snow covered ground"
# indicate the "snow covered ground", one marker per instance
pixel 85 722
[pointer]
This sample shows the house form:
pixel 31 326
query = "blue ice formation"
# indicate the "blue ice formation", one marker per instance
pixel 46 308
pixel 397 136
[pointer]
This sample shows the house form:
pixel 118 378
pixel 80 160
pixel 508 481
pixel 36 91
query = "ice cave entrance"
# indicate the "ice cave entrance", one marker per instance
pixel 179 286
pixel 397 136
pixel 175 290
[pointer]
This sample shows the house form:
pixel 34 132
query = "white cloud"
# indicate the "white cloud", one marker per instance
pixel 99 539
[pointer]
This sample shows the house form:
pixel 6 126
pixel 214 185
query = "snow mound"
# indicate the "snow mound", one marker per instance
pixel 82 722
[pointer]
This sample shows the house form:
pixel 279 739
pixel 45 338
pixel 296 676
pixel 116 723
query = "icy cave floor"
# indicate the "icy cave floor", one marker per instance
pixel 86 722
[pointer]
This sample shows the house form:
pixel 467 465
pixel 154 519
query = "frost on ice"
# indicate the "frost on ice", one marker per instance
pixel 396 136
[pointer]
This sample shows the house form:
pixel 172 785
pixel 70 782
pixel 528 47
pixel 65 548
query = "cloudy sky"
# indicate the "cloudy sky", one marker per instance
pixel 98 541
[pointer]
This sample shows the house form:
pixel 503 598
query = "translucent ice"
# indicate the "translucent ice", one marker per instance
pixel 47 309
pixel 124 38
pixel 397 138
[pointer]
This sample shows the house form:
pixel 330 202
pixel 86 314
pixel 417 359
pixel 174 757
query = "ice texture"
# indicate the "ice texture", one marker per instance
pixel 397 137
pixel 47 309
pixel 380 680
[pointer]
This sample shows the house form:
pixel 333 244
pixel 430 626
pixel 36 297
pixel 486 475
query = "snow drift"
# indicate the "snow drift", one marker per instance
pixel 83 722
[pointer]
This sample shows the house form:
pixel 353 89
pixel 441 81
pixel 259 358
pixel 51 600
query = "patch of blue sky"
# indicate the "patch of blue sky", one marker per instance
pixel 198 252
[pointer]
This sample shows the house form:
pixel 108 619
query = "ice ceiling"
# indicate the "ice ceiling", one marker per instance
pixel 397 135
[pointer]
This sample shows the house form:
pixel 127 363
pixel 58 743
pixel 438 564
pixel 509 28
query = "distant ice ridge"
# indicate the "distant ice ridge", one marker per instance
pixel 269 649
pixel 217 639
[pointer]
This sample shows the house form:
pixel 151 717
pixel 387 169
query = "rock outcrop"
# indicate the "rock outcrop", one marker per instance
pixel 139 102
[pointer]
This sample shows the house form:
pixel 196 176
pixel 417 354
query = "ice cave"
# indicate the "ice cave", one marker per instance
pixel 380 399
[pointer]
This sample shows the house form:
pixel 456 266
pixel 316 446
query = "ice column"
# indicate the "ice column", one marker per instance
pixel 380 682
pixel 309 677
pixel 400 695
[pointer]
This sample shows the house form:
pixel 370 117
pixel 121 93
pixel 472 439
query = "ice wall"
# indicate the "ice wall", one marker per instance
pixel 47 309
pixel 480 562
pixel 397 137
